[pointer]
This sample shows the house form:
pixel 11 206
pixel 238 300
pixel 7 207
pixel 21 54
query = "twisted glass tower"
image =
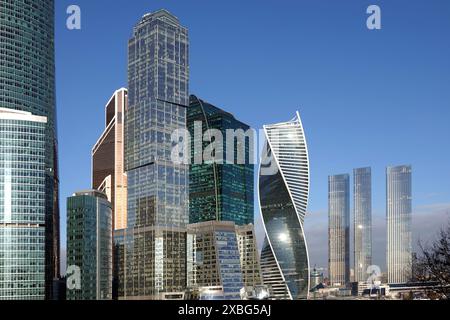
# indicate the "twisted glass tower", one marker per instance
pixel 27 83
pixel 283 196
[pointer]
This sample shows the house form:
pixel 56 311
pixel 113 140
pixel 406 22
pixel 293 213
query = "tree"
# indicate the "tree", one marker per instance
pixel 433 265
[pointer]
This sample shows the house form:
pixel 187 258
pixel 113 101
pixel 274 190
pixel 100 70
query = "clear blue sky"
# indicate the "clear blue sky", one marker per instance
pixel 367 98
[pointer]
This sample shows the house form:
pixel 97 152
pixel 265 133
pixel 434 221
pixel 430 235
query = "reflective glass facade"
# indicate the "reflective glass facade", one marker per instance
pixel 250 261
pixel 158 74
pixel 283 197
pixel 27 83
pixel 339 229
pixel 22 206
pixel 89 244
pixel 399 219
pixel 219 191
pixel 362 225
pixel 214 259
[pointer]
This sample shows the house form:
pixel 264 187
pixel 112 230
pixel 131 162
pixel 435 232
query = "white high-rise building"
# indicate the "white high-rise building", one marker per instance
pixel 283 196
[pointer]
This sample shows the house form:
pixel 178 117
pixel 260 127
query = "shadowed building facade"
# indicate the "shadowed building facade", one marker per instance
pixel 339 229
pixel 89 244
pixel 157 210
pixel 283 196
pixel 219 191
pixel 27 83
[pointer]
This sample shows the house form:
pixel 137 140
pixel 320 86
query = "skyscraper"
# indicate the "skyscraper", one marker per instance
pixel 158 79
pixel 22 205
pixel 283 195
pixel 108 173
pixel 89 244
pixel 362 225
pixel 219 191
pixel 339 229
pixel 399 217
pixel 27 83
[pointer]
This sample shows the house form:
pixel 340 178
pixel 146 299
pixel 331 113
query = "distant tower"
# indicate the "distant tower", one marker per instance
pixel 339 229
pixel 399 216
pixel 283 196
pixel 362 226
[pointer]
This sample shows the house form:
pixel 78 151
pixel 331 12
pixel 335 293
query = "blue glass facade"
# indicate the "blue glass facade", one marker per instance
pixel 158 74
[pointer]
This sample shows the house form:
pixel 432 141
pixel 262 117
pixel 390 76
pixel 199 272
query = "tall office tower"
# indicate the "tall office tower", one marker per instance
pixel 399 219
pixel 89 244
pixel 219 191
pixel 283 195
pixel 22 205
pixel 339 229
pixel 108 173
pixel 214 260
pixel 362 197
pixel 27 83
pixel 158 74
pixel 248 250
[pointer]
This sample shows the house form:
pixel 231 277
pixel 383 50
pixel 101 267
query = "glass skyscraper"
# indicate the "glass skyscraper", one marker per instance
pixel 158 78
pixel 399 217
pixel 89 244
pixel 214 259
pixel 283 197
pixel 362 225
pixel 219 191
pixel 22 205
pixel 339 229
pixel 27 83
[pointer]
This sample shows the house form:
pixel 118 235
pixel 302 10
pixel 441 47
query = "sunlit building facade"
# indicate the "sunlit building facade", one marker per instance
pixel 249 255
pixel 283 195
pixel 108 173
pixel 27 83
pixel 22 205
pixel 157 210
pixel 399 220
pixel 339 229
pixel 89 244
pixel 362 223
pixel 214 259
